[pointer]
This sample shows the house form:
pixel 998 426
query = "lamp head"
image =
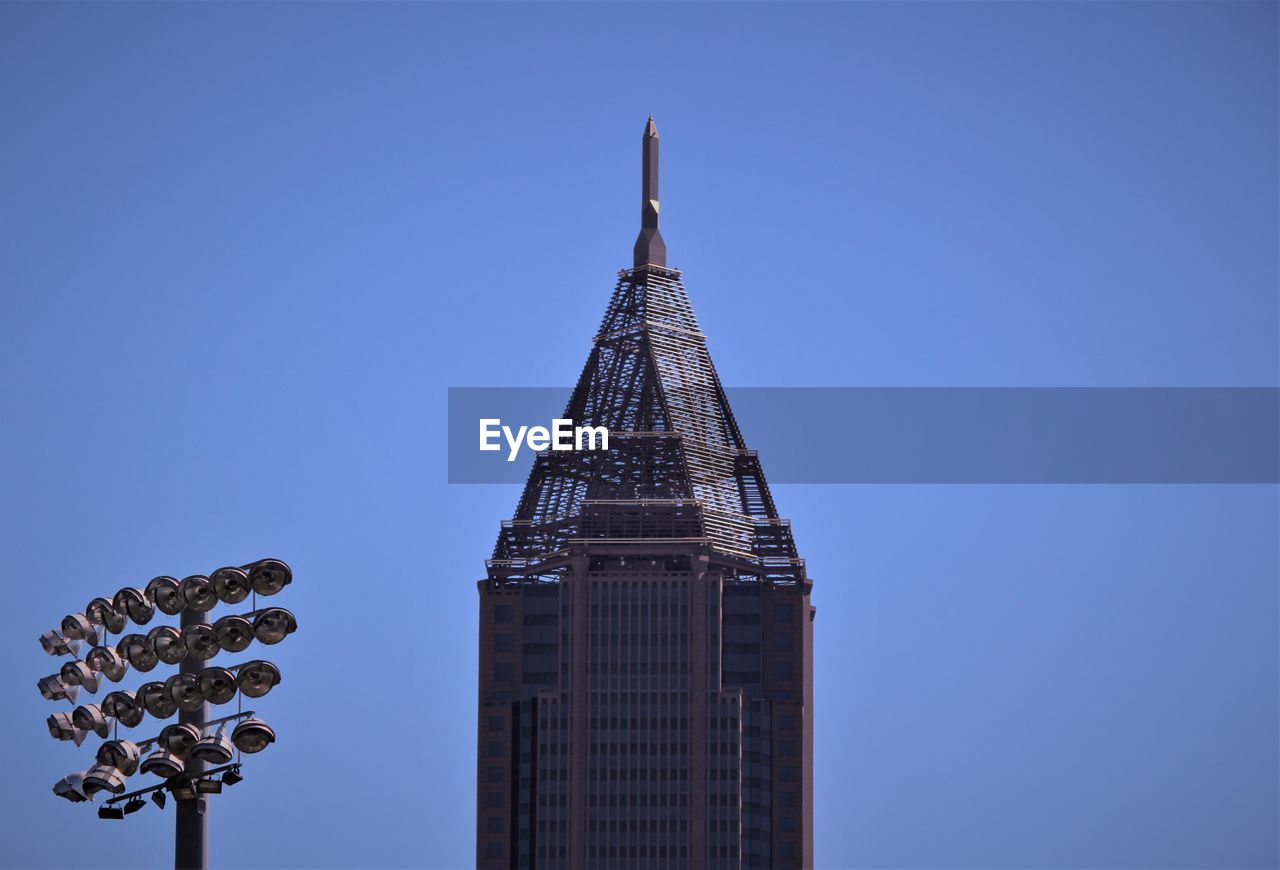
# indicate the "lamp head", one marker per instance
pixel 231 585
pixel 165 593
pixel 273 625
pixel 135 603
pixel 197 592
pixel 269 576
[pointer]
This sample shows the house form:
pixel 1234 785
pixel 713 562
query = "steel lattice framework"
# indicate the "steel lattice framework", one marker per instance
pixel 677 470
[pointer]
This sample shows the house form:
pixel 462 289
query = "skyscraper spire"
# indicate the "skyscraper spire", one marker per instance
pixel 650 249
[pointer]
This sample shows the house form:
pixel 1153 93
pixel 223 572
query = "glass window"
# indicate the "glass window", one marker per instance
pixel 782 613
pixel 502 642
pixel 495 723
pixel 503 614
pixel 502 671
pixel 782 641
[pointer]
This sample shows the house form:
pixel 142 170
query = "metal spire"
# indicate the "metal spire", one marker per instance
pixel 650 249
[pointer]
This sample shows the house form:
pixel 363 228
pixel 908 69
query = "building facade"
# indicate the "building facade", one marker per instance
pixel 646 636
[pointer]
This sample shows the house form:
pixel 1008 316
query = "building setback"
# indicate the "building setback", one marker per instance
pixel 646 636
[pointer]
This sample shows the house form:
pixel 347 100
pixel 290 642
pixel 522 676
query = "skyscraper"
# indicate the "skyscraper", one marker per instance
pixel 646 637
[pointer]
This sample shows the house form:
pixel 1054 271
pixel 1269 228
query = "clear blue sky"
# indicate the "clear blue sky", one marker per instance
pixel 244 250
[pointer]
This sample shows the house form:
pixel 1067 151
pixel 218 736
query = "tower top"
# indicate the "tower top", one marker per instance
pixel 650 250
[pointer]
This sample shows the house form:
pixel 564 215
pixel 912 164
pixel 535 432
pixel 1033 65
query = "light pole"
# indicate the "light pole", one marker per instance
pixel 183 752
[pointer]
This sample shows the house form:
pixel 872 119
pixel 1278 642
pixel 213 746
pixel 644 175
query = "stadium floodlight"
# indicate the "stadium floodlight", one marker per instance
pixel 155 697
pixel 165 593
pixel 102 612
pixel 197 592
pixel 231 585
pixel 214 748
pixel 233 633
pixel 124 707
pixel 193 755
pixel 53 689
pixel 123 755
pixel 217 685
pixel 103 777
pixel 89 717
pixel 62 727
pixel 78 673
pixel 136 604
pixel 200 640
pixel 78 627
pixel 183 790
pixel 257 677
pixel 57 645
pixel 179 738
pixel 184 689
pixel 252 735
pixel 136 649
pixel 166 642
pixel 71 787
pixel 108 662
pixel 163 763
pixel 269 576
pixel 273 625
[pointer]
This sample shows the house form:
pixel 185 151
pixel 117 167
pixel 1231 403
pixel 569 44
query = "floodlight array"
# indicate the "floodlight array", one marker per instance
pixel 167 754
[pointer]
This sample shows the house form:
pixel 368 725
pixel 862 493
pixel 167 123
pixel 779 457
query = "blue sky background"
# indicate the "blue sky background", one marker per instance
pixel 244 250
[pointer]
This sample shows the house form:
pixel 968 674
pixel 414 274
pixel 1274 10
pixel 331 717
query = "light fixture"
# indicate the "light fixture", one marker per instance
pixel 155 697
pixel 258 677
pixel 217 685
pixel 163 764
pixel 269 576
pixel 233 633
pixel 112 812
pixel 231 585
pixel 136 649
pixel 179 738
pixel 184 689
pixel 273 625
pixel 62 727
pixel 89 717
pixel 102 612
pixel 78 627
pixel 78 673
pixel 197 592
pixel 125 707
pixel 57 645
pixel 123 755
pixel 134 603
pixel 164 592
pixel 183 791
pixel 133 805
pixel 108 662
pixel 232 776
pixel 53 689
pixel 200 641
pixel 214 748
pixel 252 735
pixel 71 787
pixel 209 786
pixel 166 643
pixel 103 777
pixel 157 798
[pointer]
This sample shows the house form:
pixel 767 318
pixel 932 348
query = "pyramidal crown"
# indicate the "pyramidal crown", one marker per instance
pixel 677 477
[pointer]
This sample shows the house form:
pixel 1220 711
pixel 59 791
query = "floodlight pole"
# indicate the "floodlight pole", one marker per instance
pixel 191 838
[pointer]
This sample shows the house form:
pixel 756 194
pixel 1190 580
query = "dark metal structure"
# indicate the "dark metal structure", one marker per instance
pixel 646 679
